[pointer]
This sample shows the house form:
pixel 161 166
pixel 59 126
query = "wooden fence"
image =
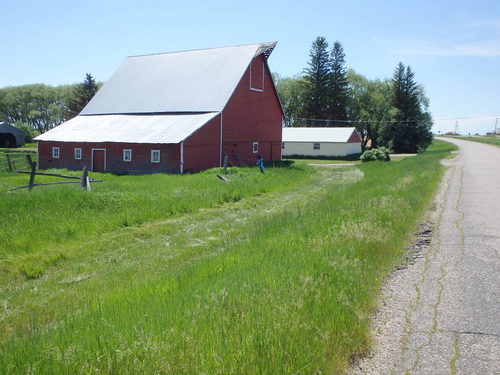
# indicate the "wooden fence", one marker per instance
pixel 84 180
pixel 13 160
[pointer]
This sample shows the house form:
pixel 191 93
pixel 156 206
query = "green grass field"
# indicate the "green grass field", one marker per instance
pixel 271 274
pixel 325 161
pixel 489 139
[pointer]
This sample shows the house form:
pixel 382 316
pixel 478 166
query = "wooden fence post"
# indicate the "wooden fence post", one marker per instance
pixel 32 175
pixel 85 179
pixel 9 163
pixel 30 162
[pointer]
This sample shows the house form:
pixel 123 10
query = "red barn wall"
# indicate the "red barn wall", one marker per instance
pixel 202 148
pixel 253 115
pixel 140 164
pixel 354 138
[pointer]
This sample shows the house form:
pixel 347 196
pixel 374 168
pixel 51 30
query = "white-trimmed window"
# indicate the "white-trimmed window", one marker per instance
pixel 127 154
pixel 316 146
pixel 55 152
pixel 78 154
pixel 155 156
pixel 255 147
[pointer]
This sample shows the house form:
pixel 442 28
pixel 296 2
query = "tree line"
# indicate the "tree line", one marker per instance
pixel 392 112
pixel 37 108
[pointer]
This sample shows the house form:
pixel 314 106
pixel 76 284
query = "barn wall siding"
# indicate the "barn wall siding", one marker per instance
pixel 326 149
pixel 202 149
pixel 140 164
pixel 253 116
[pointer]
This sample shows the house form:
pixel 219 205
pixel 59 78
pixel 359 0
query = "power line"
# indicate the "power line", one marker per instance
pixel 355 121
pixel 465 118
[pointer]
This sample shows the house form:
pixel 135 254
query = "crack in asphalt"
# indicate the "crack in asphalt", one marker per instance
pixel 439 313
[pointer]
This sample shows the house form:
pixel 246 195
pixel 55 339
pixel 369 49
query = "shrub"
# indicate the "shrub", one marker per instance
pixel 28 130
pixel 31 271
pixel 381 153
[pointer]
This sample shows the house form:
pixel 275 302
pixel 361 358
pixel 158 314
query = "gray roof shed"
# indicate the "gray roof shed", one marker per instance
pixel 10 136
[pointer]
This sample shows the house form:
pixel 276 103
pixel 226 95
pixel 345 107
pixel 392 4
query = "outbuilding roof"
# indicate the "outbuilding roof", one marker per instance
pixel 18 134
pixel 318 135
pixel 189 81
pixel 8 128
pixel 128 128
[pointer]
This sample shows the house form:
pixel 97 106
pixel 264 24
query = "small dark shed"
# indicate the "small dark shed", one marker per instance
pixel 10 136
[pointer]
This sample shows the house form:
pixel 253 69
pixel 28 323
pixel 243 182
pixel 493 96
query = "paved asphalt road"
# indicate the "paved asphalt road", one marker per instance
pixel 441 315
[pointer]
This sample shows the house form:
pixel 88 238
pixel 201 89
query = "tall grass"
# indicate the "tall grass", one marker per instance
pixel 289 292
pixel 34 222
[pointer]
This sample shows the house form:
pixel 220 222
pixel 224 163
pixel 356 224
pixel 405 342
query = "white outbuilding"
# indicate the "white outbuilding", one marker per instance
pixel 322 142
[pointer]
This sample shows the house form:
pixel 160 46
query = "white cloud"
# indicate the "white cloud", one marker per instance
pixel 479 38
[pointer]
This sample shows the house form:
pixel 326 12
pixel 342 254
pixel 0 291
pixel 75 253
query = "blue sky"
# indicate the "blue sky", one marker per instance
pixel 452 46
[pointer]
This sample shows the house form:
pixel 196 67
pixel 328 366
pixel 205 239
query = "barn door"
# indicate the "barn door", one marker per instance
pixel 99 160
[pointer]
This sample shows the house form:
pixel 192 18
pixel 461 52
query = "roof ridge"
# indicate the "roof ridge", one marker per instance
pixel 204 49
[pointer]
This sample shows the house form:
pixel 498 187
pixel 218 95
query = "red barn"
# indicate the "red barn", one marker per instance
pixel 175 112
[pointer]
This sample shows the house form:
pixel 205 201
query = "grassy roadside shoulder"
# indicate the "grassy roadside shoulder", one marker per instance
pixel 287 292
pixel 488 139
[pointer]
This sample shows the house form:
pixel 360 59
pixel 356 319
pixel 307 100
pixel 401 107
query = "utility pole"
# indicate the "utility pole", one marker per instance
pixel 495 131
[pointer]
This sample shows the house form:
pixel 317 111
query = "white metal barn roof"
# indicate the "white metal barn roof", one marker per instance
pixel 189 81
pixel 336 135
pixel 128 128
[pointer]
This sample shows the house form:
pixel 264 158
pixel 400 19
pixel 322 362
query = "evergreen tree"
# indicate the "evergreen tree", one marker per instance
pixel 81 95
pixel 411 129
pixel 317 80
pixel 339 92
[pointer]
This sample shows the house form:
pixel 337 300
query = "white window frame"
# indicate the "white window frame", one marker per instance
pixel 253 88
pixel 125 158
pixel 56 152
pixel 316 146
pixel 78 153
pixel 255 147
pixel 153 158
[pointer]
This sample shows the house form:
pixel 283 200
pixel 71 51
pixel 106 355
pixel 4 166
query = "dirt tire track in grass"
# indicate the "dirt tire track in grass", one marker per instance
pixel 150 250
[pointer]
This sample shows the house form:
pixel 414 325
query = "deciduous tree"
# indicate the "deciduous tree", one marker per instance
pixel 39 106
pixel 292 95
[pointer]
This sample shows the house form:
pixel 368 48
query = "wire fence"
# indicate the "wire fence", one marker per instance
pixel 14 161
